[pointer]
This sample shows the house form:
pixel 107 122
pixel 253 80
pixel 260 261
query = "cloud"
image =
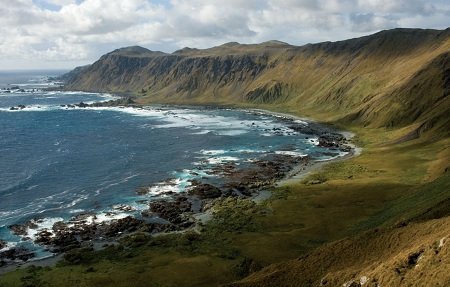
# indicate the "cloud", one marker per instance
pixel 65 33
pixel 370 22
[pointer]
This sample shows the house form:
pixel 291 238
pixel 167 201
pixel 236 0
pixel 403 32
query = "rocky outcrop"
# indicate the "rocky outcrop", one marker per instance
pixel 16 253
pixel 205 190
pixel 174 211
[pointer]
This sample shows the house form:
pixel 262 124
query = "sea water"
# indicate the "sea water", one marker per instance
pixel 56 162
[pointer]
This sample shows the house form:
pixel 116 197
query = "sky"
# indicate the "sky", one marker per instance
pixel 63 34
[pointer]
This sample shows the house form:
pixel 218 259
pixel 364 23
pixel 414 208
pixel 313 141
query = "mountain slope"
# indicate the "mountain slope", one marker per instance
pixel 414 255
pixel 394 78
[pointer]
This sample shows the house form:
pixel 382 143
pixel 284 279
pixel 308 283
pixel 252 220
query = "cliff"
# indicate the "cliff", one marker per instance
pixel 395 78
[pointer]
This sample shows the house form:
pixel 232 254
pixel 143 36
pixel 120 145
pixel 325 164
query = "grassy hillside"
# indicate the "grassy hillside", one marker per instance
pixel 381 215
pixel 392 79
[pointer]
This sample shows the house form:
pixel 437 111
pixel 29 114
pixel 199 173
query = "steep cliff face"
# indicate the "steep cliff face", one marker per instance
pixel 394 78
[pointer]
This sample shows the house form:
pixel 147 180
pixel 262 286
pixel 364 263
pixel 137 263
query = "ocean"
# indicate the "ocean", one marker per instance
pixel 57 162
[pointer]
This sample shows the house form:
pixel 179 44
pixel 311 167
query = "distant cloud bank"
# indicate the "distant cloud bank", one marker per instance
pixel 67 33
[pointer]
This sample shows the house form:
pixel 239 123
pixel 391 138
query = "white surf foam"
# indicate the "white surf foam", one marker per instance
pixel 341 154
pixel 291 153
pixel 45 224
pixel 221 159
pixel 213 152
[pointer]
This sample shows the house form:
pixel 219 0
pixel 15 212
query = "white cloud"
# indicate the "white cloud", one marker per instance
pixel 65 33
pixel 61 2
pixel 371 22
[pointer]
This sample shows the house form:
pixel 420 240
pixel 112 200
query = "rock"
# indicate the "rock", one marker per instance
pixel 82 217
pixel 142 190
pixel 20 253
pixel 223 169
pixel 2 244
pixel 13 109
pixel 171 211
pixel 44 237
pixel 126 101
pixel 64 241
pixel 127 224
pixel 205 191
pixel 345 148
pixel 22 229
pixel 146 213
pixel 330 140
pixel 59 226
pixel 124 207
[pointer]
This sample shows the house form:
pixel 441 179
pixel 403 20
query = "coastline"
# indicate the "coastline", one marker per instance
pixel 295 175
pixel 301 171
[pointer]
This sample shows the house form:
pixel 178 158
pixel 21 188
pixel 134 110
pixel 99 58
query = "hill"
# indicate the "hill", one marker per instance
pixel 394 78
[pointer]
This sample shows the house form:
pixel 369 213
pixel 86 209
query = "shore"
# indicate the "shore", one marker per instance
pixel 297 172
pixel 300 172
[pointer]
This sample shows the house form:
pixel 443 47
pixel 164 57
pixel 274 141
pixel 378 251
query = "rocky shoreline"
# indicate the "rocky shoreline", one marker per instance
pixel 170 211
pixel 121 102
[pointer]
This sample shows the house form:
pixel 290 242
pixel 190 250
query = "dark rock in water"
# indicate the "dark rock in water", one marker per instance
pixel 142 190
pixel 13 109
pixel 15 253
pixel 82 105
pixel 224 169
pixel 205 191
pixel 21 107
pixel 127 101
pixel 44 237
pixel 2 244
pixel 345 148
pixel 331 140
pixel 82 217
pixel 64 241
pixel 58 226
pixel 172 211
pixel 124 207
pixel 146 213
pixel 22 229
pixel 127 224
